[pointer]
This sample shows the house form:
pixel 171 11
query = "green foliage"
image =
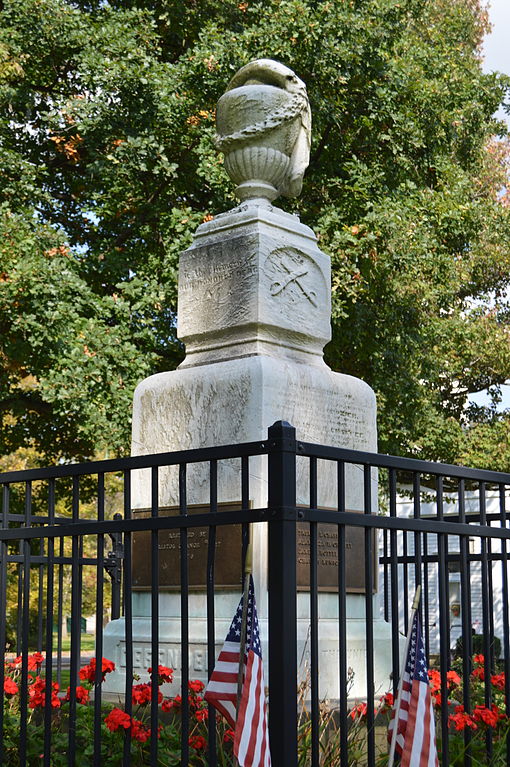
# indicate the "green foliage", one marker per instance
pixel 477 642
pixel 108 165
pixel 11 627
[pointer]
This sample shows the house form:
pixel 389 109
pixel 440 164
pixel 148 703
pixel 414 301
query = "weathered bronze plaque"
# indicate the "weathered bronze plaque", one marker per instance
pixel 228 555
pixel 327 558
pixel 227 559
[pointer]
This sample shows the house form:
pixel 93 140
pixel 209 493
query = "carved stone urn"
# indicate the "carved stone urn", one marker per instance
pixel 263 128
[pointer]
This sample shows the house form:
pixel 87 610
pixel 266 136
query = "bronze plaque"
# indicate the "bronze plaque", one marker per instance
pixel 227 561
pixel 327 558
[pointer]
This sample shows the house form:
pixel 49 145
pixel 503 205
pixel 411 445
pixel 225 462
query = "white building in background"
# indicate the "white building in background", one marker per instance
pixel 405 508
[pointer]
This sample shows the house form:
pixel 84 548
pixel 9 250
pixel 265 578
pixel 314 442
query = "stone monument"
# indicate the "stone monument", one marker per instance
pixel 254 313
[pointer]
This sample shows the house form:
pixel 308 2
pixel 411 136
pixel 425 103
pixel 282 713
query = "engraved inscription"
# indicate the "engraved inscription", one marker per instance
pixel 328 412
pixel 227 554
pixel 219 278
pixel 168 655
pixel 327 558
pixel 210 273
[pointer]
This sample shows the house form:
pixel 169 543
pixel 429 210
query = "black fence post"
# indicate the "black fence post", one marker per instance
pixel 282 594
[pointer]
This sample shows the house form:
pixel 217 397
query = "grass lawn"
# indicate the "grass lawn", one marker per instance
pixel 88 642
pixel 65 678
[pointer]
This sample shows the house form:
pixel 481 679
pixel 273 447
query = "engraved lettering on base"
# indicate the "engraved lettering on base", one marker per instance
pixel 228 568
pixel 327 558
pixel 168 655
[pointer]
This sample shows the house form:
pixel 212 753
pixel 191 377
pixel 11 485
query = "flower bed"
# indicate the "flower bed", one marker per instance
pixel 117 725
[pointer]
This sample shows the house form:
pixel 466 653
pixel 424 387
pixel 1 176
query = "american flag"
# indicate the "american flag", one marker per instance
pixel 416 732
pixel 251 737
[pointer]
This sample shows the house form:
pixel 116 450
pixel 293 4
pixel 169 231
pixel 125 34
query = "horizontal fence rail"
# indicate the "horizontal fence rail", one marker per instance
pixel 151 550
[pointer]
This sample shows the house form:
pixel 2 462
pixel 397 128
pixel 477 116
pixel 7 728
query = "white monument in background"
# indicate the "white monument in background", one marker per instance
pixel 254 313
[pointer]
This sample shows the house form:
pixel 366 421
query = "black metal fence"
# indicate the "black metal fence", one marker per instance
pixel 66 544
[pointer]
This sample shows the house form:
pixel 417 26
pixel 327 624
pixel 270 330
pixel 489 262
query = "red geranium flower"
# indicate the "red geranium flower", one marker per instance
pixel 358 711
pixel 82 694
pixel 453 677
pixel 388 700
pixel 198 742
pixel 479 659
pixel 88 672
pixel 142 694
pixel 165 674
pixel 139 731
pixel 201 715
pixel 117 718
pixel 10 686
pixel 229 736
pixel 196 685
pixel 486 715
pixel 438 699
pixel 37 693
pixel 479 673
pixel 34 661
pixel 170 703
pixel 462 720
pixel 498 680
pixel 435 679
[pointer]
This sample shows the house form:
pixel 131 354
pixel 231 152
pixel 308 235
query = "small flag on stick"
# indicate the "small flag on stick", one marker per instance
pixel 412 729
pixel 247 714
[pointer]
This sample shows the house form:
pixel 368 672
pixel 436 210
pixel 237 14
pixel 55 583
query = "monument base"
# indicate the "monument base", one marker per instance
pixel 170 652
pixel 187 409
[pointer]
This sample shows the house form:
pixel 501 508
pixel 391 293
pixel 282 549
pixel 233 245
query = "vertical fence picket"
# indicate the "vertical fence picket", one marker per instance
pixel 488 646
pixel 50 575
pixel 395 650
pixel 425 598
pixel 369 615
pixel 25 628
pixel 99 623
pixel 245 503
pixel 444 644
pixel 183 511
pixel 417 538
pixel 3 609
pixel 128 617
pixel 60 610
pixel 282 595
pixel 155 616
pixel 75 624
pixel 506 611
pixel 465 606
pixel 314 621
pixel 211 631
pixel 342 619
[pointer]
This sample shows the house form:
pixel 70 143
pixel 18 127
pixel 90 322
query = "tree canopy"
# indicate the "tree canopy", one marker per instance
pixel 107 165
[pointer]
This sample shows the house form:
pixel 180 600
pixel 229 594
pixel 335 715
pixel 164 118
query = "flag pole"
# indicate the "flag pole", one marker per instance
pixel 416 602
pixel 244 620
